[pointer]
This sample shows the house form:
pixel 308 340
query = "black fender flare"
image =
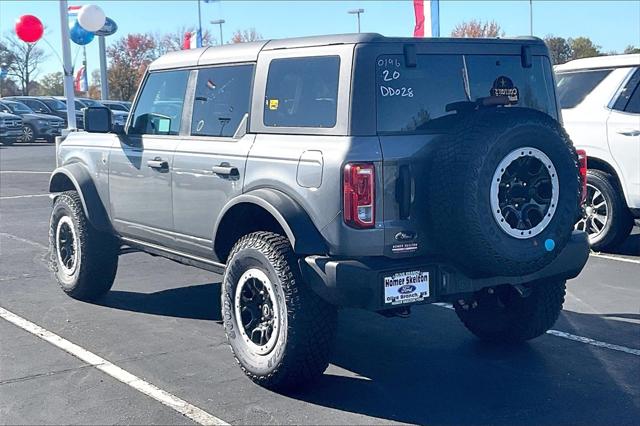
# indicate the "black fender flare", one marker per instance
pixel 82 182
pixel 294 220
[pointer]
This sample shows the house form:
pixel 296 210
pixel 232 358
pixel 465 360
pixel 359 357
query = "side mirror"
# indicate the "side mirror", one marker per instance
pixel 97 119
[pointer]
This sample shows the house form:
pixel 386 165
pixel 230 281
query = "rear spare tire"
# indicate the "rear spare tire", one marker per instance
pixel 504 191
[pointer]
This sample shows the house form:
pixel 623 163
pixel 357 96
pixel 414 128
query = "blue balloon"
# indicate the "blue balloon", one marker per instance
pixel 79 35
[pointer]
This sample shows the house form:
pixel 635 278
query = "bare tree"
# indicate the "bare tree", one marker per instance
pixel 26 59
pixel 171 42
pixel 243 36
pixel 631 49
pixel 477 29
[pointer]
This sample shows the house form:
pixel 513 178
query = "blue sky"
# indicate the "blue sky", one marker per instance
pixel 611 24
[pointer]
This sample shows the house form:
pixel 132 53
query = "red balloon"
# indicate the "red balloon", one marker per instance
pixel 29 28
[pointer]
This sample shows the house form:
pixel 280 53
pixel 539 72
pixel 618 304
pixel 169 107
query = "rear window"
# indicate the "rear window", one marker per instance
pixel 302 92
pixel 415 99
pixel 573 87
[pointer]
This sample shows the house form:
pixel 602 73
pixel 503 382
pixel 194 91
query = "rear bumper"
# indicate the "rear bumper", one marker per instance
pixel 360 283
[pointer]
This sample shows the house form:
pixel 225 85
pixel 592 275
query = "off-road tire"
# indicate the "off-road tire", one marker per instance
pixel 620 221
pixel 96 261
pixel 461 174
pixel 305 339
pixel 508 317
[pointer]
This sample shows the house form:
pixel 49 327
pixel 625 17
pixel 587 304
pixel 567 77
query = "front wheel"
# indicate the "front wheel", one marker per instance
pixel 280 332
pixel 83 259
pixel 28 133
pixel 505 314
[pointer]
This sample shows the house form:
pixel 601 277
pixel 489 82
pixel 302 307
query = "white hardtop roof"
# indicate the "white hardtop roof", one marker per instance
pixel 612 61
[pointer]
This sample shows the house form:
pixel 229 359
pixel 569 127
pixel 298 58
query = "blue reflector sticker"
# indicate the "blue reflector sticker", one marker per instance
pixel 549 244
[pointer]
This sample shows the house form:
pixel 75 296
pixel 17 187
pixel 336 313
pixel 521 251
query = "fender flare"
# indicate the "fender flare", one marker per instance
pixel 83 183
pixel 294 220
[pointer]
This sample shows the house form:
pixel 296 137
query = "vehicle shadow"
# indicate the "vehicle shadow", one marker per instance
pixel 630 247
pixel 195 302
pixel 429 370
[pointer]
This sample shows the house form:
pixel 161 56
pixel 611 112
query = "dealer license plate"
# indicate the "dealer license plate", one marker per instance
pixel 406 287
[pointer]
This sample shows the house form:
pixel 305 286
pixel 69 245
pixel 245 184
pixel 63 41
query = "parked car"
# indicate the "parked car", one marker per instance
pixel 335 171
pixel 10 128
pixel 78 106
pixel 34 126
pixel 43 105
pixel 600 101
pixel 116 105
pixel 119 118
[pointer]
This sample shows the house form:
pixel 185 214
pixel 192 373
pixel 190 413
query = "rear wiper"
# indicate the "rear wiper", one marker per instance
pixel 487 101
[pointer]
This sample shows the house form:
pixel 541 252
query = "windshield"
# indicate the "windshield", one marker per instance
pixel 116 107
pixel 411 99
pixel 573 87
pixel 92 103
pixel 55 104
pixel 18 108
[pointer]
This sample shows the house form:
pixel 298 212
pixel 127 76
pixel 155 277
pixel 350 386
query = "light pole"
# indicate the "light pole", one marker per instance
pixel 356 12
pixel 219 22
pixel 67 66
pixel 531 16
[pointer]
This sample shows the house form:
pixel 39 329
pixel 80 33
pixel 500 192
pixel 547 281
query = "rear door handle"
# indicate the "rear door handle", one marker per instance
pixel 225 169
pixel 629 132
pixel 158 163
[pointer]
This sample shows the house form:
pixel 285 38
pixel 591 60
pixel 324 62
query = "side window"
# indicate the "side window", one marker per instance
pixel 634 102
pixel 221 100
pixel 159 108
pixel 302 92
pixel 574 87
pixel 627 93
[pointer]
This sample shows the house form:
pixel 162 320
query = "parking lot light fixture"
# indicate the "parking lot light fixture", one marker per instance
pixel 219 22
pixel 356 12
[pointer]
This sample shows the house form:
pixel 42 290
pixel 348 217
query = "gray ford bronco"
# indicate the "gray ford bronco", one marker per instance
pixel 338 171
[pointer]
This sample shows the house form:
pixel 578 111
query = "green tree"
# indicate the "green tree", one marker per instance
pixel 477 29
pixel 559 49
pixel 583 47
pixel 51 84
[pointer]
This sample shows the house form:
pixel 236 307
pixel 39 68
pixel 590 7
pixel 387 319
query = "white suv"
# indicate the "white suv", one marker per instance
pixel 600 101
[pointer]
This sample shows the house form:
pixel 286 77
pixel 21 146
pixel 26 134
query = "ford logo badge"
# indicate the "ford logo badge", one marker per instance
pixel 406 289
pixel 405 236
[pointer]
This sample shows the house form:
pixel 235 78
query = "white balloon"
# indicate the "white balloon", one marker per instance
pixel 91 17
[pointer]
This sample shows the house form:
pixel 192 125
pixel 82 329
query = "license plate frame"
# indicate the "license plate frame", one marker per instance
pixel 405 287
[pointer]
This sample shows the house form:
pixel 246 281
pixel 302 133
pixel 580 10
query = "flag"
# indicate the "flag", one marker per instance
pixel 429 15
pixel 81 84
pixel 191 40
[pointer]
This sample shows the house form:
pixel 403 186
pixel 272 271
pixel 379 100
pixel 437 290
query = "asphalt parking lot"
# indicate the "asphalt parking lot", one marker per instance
pixel 161 323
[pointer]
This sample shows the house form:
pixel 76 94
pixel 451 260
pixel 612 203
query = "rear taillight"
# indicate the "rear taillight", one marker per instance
pixel 359 195
pixel 582 165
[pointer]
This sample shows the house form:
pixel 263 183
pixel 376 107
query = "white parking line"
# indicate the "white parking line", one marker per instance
pixel 593 342
pixel 618 258
pixel 575 338
pixel 12 197
pixel 25 172
pixel 183 407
